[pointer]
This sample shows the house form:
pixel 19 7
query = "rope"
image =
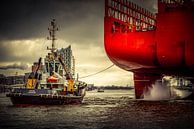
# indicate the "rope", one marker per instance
pixel 97 72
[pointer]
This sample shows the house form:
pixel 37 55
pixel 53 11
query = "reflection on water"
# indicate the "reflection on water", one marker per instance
pixel 105 110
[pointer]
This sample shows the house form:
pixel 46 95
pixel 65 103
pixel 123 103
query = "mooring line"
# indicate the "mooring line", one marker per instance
pixel 98 72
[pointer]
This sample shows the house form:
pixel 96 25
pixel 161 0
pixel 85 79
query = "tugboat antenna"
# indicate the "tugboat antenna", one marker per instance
pixel 52 34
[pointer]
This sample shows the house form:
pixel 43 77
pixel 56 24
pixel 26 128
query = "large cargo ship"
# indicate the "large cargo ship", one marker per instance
pixel 52 81
pixel 150 45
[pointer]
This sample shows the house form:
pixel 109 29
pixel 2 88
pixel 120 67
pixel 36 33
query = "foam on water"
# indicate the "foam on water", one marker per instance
pixel 157 92
pixel 160 91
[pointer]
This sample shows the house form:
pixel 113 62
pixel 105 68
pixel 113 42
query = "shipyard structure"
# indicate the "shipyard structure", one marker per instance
pixel 150 45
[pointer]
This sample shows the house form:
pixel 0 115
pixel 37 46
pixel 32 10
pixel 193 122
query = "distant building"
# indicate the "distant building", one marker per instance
pixel 68 59
pixel 11 80
pixel 90 87
pixel 2 79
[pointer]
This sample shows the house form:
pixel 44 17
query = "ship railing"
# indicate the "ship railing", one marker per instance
pixel 177 3
pixel 172 1
pixel 134 16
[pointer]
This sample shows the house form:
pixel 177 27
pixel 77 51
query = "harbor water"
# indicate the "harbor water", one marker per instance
pixel 111 109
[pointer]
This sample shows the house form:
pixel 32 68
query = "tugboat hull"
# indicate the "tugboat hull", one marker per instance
pixel 18 99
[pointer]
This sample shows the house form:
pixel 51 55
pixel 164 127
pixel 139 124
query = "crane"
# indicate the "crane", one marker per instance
pixel 32 82
pixel 69 78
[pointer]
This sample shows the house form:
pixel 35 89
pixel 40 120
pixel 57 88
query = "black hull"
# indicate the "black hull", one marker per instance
pixel 44 99
pixel 186 93
pixel 190 97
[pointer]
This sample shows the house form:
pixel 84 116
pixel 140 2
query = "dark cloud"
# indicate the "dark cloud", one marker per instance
pixel 79 21
pixel 14 66
pixel 4 52
pixel 23 19
pixel 21 50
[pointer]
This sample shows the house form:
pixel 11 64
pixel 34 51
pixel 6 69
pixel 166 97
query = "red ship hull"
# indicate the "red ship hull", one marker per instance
pixel 166 49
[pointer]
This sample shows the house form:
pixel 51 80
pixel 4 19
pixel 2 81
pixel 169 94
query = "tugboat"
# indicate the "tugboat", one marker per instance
pixel 52 80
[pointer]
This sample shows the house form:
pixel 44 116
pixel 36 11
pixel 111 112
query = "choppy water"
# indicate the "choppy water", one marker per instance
pixel 114 109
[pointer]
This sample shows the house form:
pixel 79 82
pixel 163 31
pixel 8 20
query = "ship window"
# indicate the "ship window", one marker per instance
pixel 56 67
pixel 48 85
pixel 61 72
pixel 123 28
pixel 47 67
pixel 55 85
pixel 51 68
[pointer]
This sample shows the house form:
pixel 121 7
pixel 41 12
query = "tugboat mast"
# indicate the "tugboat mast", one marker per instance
pixel 52 35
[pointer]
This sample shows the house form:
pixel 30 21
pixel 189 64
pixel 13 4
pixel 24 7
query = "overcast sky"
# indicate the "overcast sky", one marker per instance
pixel 23 32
